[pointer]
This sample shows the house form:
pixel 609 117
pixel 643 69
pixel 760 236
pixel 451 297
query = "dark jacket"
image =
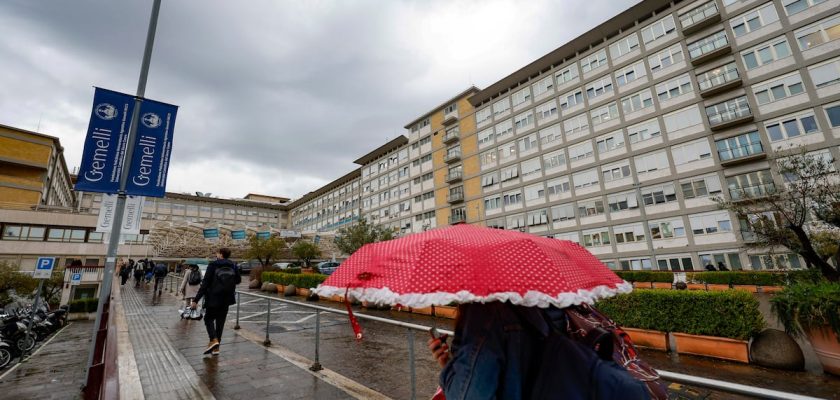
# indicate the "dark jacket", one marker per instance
pixel 212 301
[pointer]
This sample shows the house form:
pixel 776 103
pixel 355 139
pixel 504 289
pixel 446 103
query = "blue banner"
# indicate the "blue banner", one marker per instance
pixel 264 235
pixel 106 142
pixel 211 234
pixel 153 147
pixel 237 235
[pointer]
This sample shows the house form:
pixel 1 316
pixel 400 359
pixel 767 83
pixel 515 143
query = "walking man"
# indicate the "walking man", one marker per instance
pixel 160 272
pixel 219 287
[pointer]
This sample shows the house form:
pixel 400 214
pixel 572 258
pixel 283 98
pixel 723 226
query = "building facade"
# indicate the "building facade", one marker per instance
pixel 33 172
pixel 332 206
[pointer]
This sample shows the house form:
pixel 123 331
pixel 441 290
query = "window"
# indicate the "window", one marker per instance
pixel 682 119
pixel 490 179
pixel 729 110
pixel 826 73
pixel 496 223
pixel 659 194
pixel 531 166
pixel 588 208
pixel 483 115
pixel 566 75
pixel 739 146
pixel 624 46
pixel 534 192
pixel 501 106
pixel 509 173
pixel 818 33
pixel 543 86
pixel 528 143
pixel 512 198
pixel 674 88
pixel 563 212
pixel 616 171
pixel 709 223
pixel 692 151
pixel 486 136
pixel 487 158
pixel 550 136
pixel 558 186
pixel 636 264
pixel 604 114
pixel 596 237
pixel 796 6
pixel 521 96
pixel 666 58
pixel 676 263
pixel 581 151
pixel 766 53
pixel 571 99
pixel 644 131
pixel 701 186
pixel 629 233
pixel 610 142
pixel 546 110
pixel 651 162
pixel 778 88
pixel 718 76
pixel 623 201
pixel 751 185
pixel 707 45
pixel 576 126
pixel 515 221
pixel 451 108
pixel 635 102
pixel 492 203
pixel 774 261
pixel 698 14
pixel 630 73
pixel 507 152
pixel 524 120
pixel 833 114
pixel 754 19
pixel 538 217
pixel 658 29
pixel 667 229
pixel 599 87
pixel 730 260
pixel 594 61
pixel 65 235
pixel 791 126
pixel 24 233
pixel 585 178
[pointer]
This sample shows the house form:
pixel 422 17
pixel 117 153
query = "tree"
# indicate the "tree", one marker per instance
pixel 13 282
pixel 264 251
pixel 352 238
pixel 306 251
pixel 51 292
pixel 800 215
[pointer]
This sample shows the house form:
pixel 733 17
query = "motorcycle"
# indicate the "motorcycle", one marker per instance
pixel 14 330
pixel 6 354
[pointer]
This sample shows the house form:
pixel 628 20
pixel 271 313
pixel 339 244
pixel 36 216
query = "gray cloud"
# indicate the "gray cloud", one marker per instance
pixel 276 97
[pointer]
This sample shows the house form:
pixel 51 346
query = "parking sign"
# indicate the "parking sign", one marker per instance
pixel 44 268
pixel 76 279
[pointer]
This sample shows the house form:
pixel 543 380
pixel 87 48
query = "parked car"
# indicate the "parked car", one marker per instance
pixel 246 266
pixel 282 265
pixel 328 267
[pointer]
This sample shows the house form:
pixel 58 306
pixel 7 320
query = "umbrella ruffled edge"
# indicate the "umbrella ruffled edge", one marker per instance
pixel 384 296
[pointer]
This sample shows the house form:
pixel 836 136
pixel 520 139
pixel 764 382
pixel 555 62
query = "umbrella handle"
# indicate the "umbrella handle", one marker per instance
pixel 357 329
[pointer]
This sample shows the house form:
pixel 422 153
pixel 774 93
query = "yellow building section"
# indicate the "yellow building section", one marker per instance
pixel 13 149
pixel 475 212
pixel 11 197
pixel 442 216
pixel 21 175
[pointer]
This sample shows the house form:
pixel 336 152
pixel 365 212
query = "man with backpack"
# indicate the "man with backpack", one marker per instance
pixel 160 272
pixel 219 287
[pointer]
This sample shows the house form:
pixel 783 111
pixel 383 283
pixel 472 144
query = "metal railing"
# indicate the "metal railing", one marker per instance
pixel 691 380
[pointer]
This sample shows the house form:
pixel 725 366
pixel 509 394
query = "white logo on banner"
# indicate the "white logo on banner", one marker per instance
pixel 106 111
pixel 151 120
pixel 132 215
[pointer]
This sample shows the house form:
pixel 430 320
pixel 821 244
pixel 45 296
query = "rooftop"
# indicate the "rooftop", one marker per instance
pixel 382 150
pixel 470 90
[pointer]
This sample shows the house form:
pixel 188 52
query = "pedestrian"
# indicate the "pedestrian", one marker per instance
pixel 125 272
pixel 710 267
pixel 190 284
pixel 219 287
pixel 148 271
pixel 722 266
pixel 160 271
pixel 138 274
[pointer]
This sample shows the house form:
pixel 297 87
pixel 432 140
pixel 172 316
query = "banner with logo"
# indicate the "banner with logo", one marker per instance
pixel 211 235
pixel 264 235
pixel 132 215
pixel 237 235
pixel 285 233
pixel 106 142
pixel 153 147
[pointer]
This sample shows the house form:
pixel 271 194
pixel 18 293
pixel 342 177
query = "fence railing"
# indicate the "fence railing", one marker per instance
pixel 691 380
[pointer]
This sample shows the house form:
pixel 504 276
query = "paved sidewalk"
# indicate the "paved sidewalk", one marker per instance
pixel 55 371
pixel 168 353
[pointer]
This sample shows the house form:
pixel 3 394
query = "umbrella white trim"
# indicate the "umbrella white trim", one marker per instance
pixel 383 296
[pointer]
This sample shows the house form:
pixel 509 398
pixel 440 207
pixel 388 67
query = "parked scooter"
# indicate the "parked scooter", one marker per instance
pixel 6 353
pixel 14 330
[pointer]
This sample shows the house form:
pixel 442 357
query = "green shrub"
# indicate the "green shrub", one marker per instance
pixel 732 314
pixel 83 305
pixel 804 305
pixel 761 278
pixel 306 281
pixel 646 276
pixel 292 270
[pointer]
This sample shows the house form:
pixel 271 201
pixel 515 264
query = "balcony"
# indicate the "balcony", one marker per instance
pixel 708 48
pixel 719 80
pixel 699 18
pixel 752 192
pixel 729 113
pixel 455 197
pixel 451 137
pixel 450 117
pixel 452 156
pixel 459 218
pixel 454 176
pixel 741 154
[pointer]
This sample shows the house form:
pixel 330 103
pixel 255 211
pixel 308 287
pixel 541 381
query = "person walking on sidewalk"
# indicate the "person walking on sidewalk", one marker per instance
pixel 160 272
pixel 190 284
pixel 219 287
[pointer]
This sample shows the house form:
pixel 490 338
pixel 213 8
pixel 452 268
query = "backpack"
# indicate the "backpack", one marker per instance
pixel 224 280
pixel 161 270
pixel 195 278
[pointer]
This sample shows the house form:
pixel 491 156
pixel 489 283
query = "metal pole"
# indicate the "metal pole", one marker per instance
pixel 32 317
pixel 114 239
pixel 317 365
pixel 267 341
pixel 411 364
pixel 238 300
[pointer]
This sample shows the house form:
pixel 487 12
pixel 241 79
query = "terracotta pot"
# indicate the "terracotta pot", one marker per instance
pixel 446 312
pixel 337 298
pixel 711 346
pixel 642 285
pixel 662 285
pixel 303 292
pixel 715 286
pixel 696 286
pixel 307 271
pixel 422 311
pixel 648 338
pixel 281 289
pixel 827 346
pixel 771 289
pixel 748 288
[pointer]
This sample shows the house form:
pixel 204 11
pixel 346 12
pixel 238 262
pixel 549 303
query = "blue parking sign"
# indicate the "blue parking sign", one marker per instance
pixel 44 268
pixel 76 278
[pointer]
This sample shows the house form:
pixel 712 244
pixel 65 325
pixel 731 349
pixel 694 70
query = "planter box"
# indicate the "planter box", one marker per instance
pixel 303 292
pixel 307 271
pixel 662 285
pixel 748 288
pixel 642 285
pixel 716 286
pixel 827 346
pixel 770 289
pixel 422 311
pixel 280 289
pixel 711 346
pixel 446 312
pixel 696 286
pixel 81 316
pixel 648 338
pixel 337 298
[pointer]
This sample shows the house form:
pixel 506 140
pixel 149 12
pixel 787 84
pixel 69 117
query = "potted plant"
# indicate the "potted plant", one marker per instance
pixel 813 309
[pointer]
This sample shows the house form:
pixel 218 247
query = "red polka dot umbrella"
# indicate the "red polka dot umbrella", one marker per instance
pixel 466 263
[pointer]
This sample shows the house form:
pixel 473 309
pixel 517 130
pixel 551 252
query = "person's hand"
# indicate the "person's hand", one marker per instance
pixel 439 350
pixel 193 304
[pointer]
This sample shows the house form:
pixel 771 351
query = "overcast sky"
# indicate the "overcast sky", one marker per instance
pixel 276 97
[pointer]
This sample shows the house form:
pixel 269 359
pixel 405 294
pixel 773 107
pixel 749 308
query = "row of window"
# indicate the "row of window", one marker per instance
pixel 40 233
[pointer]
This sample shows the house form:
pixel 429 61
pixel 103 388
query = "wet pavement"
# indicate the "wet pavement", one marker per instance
pixel 56 369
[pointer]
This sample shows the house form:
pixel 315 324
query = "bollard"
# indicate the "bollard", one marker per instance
pixel 411 363
pixel 267 341
pixel 317 365
pixel 238 300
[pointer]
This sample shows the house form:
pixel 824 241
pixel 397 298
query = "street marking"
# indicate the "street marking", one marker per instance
pixel 259 313
pixel 308 317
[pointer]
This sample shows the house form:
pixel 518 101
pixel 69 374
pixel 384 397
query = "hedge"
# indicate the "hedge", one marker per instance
pixel 292 270
pixel 646 276
pixel 762 278
pixel 306 281
pixel 731 314
pixel 83 305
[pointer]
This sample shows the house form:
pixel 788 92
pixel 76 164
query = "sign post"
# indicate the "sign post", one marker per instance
pixel 43 271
